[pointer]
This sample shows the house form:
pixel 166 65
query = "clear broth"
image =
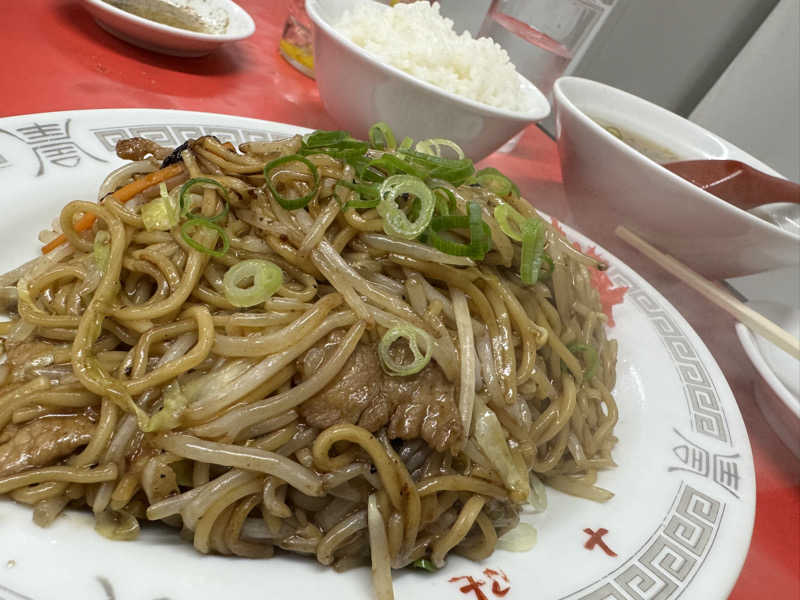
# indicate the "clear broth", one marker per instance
pixel 652 150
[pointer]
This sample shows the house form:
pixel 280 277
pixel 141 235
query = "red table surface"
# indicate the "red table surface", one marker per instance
pixel 56 58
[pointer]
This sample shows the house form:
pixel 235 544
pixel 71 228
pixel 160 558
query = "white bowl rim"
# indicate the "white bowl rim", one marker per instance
pixel 747 339
pixel 529 117
pixel 229 6
pixel 561 97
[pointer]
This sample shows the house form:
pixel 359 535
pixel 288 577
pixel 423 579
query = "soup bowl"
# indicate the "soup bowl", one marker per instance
pixel 609 182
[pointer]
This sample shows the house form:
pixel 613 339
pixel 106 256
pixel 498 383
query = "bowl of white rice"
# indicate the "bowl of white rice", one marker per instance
pixel 406 66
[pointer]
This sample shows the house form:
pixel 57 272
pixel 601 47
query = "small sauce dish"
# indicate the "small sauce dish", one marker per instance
pixel 179 28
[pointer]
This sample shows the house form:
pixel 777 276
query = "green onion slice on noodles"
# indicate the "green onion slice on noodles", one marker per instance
pixel 412 334
pixel 266 276
pixel 424 563
pixel 480 234
pixel 434 147
pixel 406 143
pixel 382 137
pixel 292 203
pixel 589 355
pixel 325 139
pixel 497 183
pixel 185 210
pixel 205 223
pixel 510 221
pixel 367 194
pixel 395 221
pixel 533 239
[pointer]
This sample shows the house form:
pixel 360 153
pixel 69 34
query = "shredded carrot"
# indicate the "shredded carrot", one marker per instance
pixel 123 194
pixel 54 243
pixel 127 192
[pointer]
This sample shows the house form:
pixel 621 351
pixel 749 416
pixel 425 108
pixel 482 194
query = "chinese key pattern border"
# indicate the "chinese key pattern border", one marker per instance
pixel 707 415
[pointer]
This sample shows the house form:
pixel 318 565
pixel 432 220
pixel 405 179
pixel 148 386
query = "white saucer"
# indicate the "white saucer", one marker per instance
pixel 173 40
pixel 776 295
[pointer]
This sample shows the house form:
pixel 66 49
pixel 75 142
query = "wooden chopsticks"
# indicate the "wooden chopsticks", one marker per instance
pixel 755 321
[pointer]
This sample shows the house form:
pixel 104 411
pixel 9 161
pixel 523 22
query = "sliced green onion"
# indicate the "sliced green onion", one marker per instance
pixel 101 249
pixel 371 174
pixel 160 214
pixel 413 210
pixel 395 221
pixel 345 149
pixel 292 203
pixel 532 250
pixel 381 137
pixel 434 146
pixel 321 139
pixel 424 563
pixel 267 279
pixel 406 143
pixel 186 210
pixel 538 252
pixel 494 181
pixel 496 184
pixel 510 221
pixel 454 171
pixel 411 333
pixel 394 165
pixel 480 234
pixel 444 244
pixel 589 355
pixel 446 203
pixel 367 194
pixel 203 222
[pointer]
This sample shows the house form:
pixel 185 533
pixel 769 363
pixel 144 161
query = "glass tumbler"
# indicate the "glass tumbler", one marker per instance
pixel 542 36
pixel 296 44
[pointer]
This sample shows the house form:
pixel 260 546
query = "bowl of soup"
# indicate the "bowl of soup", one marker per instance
pixel 612 146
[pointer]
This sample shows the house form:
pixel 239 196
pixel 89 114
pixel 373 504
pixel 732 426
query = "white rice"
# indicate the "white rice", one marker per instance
pixel 417 39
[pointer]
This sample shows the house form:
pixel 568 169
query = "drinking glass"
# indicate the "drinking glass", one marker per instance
pixel 296 44
pixel 542 36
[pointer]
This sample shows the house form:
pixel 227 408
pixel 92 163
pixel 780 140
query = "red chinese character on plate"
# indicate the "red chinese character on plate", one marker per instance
pixel 472 586
pixel 500 583
pixel 596 539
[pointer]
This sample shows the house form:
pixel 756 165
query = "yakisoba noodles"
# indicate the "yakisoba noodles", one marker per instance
pixel 360 352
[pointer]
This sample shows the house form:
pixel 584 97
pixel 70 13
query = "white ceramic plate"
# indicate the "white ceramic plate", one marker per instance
pixel 679 525
pixel 776 295
pixel 234 24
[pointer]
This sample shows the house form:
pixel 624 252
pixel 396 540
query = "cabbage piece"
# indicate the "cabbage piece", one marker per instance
pixel 490 439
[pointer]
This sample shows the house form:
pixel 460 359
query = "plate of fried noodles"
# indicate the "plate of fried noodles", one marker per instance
pixel 244 359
